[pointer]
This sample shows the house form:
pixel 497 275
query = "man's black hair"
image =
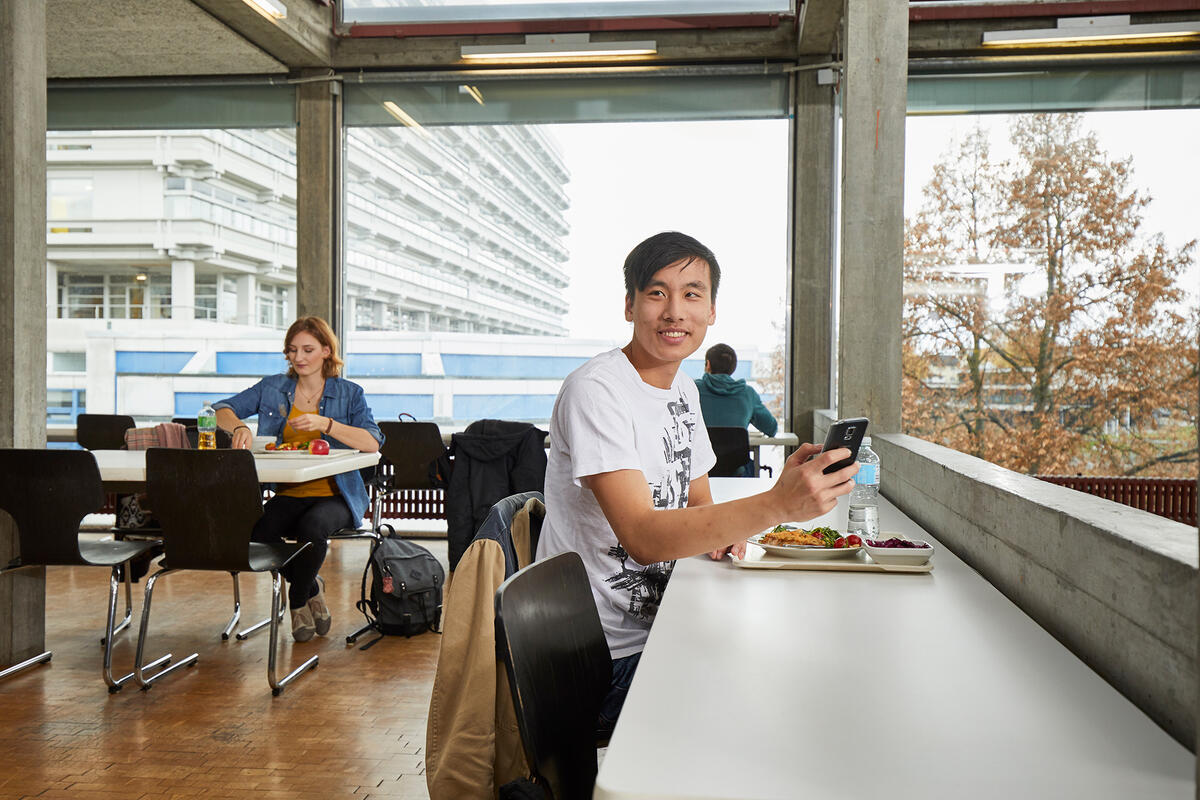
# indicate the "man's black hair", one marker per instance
pixel 662 250
pixel 721 358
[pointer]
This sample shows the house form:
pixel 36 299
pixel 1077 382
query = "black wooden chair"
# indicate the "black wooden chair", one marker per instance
pixel 732 446
pixel 409 448
pixel 48 493
pixel 549 635
pixel 102 431
pixel 208 502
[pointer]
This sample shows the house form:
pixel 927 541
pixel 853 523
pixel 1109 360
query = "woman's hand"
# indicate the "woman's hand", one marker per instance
pixel 242 440
pixel 309 422
pixel 737 548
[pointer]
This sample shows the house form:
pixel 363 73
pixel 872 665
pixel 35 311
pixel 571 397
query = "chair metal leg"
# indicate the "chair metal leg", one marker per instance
pixel 115 684
pixel 278 685
pixel 237 609
pixel 139 668
pixel 352 638
pixel 125 568
pixel 245 633
pixel 43 658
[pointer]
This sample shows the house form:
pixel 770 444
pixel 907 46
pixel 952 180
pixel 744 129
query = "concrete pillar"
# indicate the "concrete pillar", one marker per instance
pixel 811 163
pixel 22 295
pixel 183 290
pixel 318 200
pixel 873 113
pixel 247 300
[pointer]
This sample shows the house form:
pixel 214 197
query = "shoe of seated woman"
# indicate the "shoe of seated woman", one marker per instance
pixel 322 619
pixel 303 626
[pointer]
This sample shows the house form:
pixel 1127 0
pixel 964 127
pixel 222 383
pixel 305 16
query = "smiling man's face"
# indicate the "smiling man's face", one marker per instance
pixel 670 318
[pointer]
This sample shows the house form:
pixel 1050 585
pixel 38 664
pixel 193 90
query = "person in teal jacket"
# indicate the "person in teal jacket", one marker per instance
pixel 726 401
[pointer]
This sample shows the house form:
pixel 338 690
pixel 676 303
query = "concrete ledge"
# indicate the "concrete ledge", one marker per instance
pixel 1115 585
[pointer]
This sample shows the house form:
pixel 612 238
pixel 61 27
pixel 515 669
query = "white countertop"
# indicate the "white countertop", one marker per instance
pixel 130 465
pixel 799 684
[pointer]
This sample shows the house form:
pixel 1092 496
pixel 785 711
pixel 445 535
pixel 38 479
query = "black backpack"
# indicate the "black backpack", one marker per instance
pixel 406 589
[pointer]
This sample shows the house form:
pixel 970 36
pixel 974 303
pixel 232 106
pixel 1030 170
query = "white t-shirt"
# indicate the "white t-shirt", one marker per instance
pixel 607 418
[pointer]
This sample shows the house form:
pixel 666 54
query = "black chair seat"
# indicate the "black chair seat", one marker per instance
pixel 273 556
pixel 112 553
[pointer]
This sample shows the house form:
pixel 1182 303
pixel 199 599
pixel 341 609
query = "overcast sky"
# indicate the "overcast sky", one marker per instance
pixel 726 184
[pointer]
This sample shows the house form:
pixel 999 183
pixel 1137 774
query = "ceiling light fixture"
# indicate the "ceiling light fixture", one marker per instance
pixel 473 91
pixel 271 9
pixel 557 46
pixel 1089 30
pixel 405 118
pixel 141 276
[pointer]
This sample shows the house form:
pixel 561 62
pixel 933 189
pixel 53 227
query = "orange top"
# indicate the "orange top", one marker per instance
pixel 318 487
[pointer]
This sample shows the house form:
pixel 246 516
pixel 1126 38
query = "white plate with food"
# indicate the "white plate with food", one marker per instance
pixel 792 541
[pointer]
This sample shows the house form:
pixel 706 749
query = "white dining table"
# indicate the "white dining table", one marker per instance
pixel 777 684
pixel 129 466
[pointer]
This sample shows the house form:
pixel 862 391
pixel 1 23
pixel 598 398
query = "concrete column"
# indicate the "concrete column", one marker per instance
pixel 812 217
pixel 22 295
pixel 183 290
pixel 873 110
pixel 247 300
pixel 318 200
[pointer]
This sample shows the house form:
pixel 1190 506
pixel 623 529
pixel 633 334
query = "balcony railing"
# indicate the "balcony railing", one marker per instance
pixel 1173 498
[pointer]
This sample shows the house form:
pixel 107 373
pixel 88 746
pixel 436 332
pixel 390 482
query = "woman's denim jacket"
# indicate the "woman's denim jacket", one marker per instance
pixel 271 399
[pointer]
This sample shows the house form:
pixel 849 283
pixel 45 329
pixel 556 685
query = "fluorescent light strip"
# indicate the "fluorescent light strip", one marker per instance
pixel 473 91
pixel 1093 29
pixel 558 46
pixel 271 9
pixel 405 118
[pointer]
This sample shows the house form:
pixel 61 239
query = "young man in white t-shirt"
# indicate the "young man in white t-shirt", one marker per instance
pixel 627 483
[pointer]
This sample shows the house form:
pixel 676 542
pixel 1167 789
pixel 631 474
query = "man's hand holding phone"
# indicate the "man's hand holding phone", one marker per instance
pixel 806 488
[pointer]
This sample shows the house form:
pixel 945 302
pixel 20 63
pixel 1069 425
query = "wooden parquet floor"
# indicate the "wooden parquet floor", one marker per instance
pixel 352 728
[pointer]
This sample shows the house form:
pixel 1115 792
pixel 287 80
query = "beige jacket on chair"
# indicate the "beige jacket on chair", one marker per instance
pixel 472 742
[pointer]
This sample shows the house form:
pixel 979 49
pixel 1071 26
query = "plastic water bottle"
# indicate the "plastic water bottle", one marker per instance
pixel 864 498
pixel 206 425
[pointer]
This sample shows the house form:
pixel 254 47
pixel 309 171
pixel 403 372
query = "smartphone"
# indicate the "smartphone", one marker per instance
pixel 845 433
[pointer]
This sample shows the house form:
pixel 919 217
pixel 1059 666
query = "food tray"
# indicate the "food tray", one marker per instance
pixel 757 558
pixel 302 453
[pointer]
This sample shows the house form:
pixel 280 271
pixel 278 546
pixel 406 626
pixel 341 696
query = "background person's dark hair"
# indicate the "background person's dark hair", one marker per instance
pixel 721 358
pixel 662 250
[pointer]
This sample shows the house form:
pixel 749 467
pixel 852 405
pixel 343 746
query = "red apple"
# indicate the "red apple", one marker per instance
pixel 318 447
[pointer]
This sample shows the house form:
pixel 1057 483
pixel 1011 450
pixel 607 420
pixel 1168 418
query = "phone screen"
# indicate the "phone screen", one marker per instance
pixel 845 433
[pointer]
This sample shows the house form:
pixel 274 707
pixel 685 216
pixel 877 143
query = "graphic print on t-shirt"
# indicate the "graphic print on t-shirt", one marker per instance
pixel 672 491
pixel 646 585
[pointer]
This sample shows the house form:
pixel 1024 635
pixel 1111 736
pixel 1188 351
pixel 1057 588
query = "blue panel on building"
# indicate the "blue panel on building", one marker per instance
pixel 152 363
pixel 391 406
pixel 258 364
pixel 383 364
pixel 529 407
pixel 188 404
pixel 464 365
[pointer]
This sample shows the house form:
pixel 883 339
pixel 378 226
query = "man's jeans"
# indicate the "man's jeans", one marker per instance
pixel 622 676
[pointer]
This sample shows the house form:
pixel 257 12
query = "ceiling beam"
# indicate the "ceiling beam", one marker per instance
pixel 304 38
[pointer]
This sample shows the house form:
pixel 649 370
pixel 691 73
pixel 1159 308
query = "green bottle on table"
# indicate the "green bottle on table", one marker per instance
pixel 206 425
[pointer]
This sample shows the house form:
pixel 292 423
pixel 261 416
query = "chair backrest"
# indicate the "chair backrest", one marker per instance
pixel 732 446
pixel 410 447
pixel 207 502
pixel 102 431
pixel 549 635
pixel 48 493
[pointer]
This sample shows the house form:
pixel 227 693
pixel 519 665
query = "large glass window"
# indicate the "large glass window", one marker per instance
pixel 1051 285
pixel 172 255
pixel 484 242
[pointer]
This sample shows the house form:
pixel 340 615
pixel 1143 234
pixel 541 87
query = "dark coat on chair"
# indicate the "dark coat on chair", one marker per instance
pixel 487 462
